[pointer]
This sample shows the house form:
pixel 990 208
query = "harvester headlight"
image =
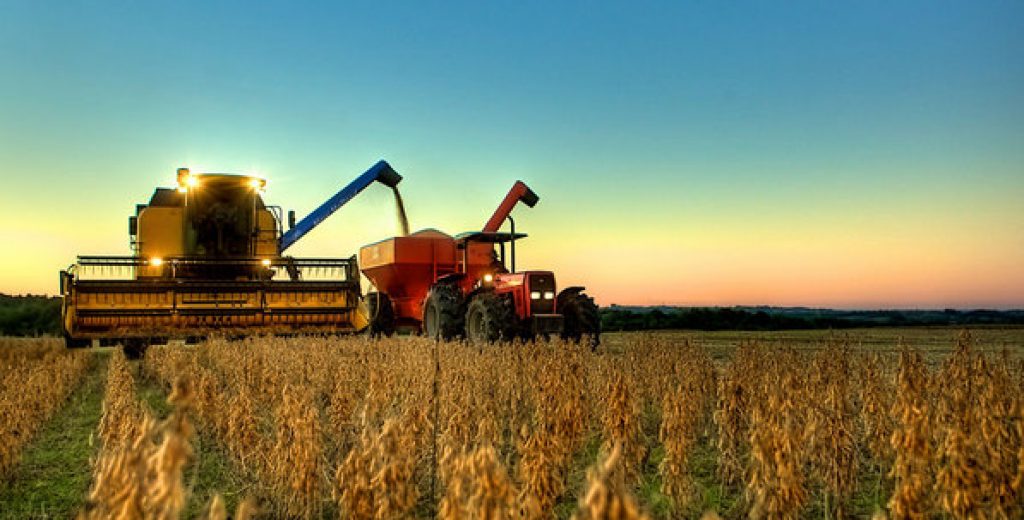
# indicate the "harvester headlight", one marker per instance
pixel 549 295
pixel 156 261
pixel 488 278
pixel 265 262
pixel 256 184
pixel 535 295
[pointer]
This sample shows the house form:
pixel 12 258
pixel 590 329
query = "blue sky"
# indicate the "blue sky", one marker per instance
pixel 722 150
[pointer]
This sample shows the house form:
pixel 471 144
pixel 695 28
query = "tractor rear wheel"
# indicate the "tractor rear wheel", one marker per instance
pixel 581 318
pixel 382 315
pixel 443 314
pixel 491 318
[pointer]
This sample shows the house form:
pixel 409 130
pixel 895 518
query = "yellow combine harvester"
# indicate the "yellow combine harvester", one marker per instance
pixel 208 257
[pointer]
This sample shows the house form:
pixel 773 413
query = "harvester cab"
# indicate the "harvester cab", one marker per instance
pixel 208 257
pixel 468 286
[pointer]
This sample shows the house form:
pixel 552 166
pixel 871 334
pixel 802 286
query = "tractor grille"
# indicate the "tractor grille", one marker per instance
pixel 544 284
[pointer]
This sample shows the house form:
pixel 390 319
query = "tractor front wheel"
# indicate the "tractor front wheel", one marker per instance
pixel 582 320
pixel 443 312
pixel 490 318
pixel 382 315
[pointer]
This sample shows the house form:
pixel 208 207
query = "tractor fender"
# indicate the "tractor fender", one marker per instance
pixel 569 292
pixel 477 290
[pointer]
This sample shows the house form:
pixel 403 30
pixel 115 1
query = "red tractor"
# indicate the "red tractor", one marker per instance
pixel 467 286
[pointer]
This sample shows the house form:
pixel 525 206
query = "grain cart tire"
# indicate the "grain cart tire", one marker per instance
pixel 490 318
pixel 382 315
pixel 581 319
pixel 443 312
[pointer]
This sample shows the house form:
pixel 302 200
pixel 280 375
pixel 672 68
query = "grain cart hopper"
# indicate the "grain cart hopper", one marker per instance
pixel 208 256
pixel 449 287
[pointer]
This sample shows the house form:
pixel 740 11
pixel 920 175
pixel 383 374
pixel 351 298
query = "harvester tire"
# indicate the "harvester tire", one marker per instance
pixel 70 342
pixel 443 312
pixel 491 318
pixel 382 315
pixel 581 318
pixel 134 348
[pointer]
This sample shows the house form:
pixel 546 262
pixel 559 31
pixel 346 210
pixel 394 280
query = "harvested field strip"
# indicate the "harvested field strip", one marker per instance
pixel 36 378
pixel 211 471
pixel 54 473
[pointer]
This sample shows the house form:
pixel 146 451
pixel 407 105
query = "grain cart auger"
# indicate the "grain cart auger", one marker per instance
pixel 208 258
pixel 449 287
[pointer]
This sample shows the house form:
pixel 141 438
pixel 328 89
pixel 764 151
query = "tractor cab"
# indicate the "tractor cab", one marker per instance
pixel 493 243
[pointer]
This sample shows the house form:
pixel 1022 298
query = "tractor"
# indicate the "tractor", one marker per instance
pixel 467 286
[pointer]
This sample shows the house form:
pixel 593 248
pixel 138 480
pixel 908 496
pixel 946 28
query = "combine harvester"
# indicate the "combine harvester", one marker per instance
pixel 451 287
pixel 208 257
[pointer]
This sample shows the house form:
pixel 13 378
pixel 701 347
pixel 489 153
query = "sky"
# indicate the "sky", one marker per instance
pixel 826 154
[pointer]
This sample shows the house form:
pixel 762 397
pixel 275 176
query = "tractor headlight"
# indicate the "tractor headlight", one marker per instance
pixel 488 278
pixel 265 262
pixel 192 181
pixel 535 295
pixel 156 262
pixel 549 295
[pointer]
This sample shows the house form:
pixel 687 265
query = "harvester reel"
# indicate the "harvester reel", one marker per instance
pixel 581 317
pixel 489 318
pixel 382 315
pixel 443 316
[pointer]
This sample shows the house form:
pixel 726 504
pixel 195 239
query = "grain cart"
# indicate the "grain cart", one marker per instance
pixel 467 286
pixel 209 257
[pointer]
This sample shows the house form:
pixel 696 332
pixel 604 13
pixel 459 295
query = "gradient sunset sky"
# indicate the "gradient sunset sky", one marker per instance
pixel 837 154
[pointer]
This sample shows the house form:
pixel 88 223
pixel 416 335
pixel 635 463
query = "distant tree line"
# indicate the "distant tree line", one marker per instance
pixel 38 315
pixel 728 318
pixel 29 315
pixel 710 319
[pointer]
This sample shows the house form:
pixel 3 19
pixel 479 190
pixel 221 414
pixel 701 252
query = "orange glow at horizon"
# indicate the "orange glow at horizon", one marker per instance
pixel 917 255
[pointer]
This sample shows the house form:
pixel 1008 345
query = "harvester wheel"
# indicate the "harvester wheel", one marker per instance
pixel 134 348
pixel 70 342
pixel 443 314
pixel 581 318
pixel 490 318
pixel 382 315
